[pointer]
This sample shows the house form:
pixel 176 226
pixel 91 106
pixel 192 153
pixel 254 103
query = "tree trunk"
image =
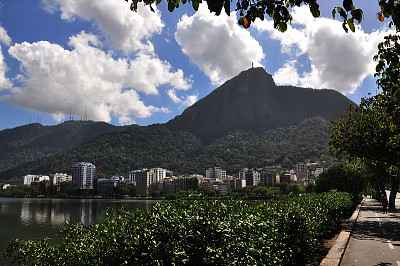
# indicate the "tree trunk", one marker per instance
pixel 393 192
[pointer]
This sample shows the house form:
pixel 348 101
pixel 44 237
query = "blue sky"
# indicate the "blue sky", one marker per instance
pixel 100 61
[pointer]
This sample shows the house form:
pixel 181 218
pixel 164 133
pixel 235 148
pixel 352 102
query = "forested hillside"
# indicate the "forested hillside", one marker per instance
pixel 183 153
pixel 30 142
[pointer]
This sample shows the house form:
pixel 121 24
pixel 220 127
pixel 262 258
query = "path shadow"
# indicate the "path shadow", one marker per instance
pixel 379 230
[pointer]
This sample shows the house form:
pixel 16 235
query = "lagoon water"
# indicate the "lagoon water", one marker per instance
pixel 38 218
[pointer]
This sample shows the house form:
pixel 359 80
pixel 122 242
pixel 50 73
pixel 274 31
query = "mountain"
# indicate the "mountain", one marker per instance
pixel 252 100
pixel 34 141
pixel 118 153
pixel 247 122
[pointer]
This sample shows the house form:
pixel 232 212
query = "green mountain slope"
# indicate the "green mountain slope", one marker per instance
pixel 252 100
pixel 183 153
pixel 30 142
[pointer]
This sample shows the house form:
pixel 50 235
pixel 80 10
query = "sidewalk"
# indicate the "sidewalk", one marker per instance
pixel 375 239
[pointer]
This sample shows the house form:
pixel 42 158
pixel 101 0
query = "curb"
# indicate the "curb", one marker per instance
pixel 335 254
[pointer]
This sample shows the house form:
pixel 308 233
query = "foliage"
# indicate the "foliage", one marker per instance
pixel 183 153
pixel 201 232
pixel 30 142
pixel 278 10
pixel 371 131
pixel 254 192
pixel 343 177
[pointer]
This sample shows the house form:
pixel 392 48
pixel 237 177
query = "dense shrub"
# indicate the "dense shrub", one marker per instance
pixel 285 232
pixel 343 177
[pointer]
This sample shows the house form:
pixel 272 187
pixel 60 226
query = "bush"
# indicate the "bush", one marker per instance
pixel 343 177
pixel 202 232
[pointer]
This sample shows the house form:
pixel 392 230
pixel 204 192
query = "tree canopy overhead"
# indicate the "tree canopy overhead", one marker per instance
pixel 371 131
pixel 280 10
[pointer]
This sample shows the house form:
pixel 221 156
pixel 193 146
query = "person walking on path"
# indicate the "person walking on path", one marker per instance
pixel 384 203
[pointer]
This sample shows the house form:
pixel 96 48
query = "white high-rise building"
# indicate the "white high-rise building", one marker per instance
pixel 28 179
pixel 141 178
pixel 158 174
pixel 252 178
pixel 301 170
pixel 216 173
pixel 318 171
pixel 59 178
pixel 84 176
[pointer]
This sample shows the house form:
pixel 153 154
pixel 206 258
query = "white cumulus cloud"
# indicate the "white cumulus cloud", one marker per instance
pixel 5 83
pixel 217 44
pixel 4 38
pixel 339 60
pixel 191 99
pixel 87 79
pixel 188 100
pixel 127 30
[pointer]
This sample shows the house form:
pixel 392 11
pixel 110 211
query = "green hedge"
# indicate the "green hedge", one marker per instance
pixel 286 231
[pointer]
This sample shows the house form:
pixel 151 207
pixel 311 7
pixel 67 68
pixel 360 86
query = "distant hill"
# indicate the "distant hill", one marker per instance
pixel 180 151
pixel 252 100
pixel 33 141
pixel 247 122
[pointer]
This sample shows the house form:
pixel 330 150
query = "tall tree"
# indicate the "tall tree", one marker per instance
pixel 371 131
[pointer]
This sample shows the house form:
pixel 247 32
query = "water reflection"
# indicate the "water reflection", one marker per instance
pixel 39 218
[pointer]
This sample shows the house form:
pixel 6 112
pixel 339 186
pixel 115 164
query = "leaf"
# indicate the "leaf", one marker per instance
pixel 245 4
pixel 282 26
pixel 241 21
pixel 195 4
pixel 245 23
pixel 171 6
pixel 227 7
pixel 380 16
pixel 357 15
pixel 351 25
pixel 334 12
pixel 348 5
pixel 314 8
pixel 344 27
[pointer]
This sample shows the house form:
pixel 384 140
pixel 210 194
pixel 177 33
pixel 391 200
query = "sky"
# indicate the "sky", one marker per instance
pixel 98 60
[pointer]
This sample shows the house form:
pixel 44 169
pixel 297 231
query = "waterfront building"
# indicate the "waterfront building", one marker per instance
pixel 141 178
pixel 252 178
pixel 145 177
pixel 284 178
pixel 27 180
pixel 301 170
pixel 235 182
pixel 106 185
pixel 185 183
pixel 6 186
pixel 216 173
pixel 206 184
pixel 268 178
pixel 84 176
pixel 221 187
pixel 318 171
pixel 158 174
pixel 58 178
pixel 287 177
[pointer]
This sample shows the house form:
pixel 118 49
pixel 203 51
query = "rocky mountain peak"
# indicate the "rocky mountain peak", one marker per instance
pixel 252 100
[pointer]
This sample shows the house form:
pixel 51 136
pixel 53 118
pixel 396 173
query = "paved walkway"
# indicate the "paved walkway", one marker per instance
pixel 375 239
